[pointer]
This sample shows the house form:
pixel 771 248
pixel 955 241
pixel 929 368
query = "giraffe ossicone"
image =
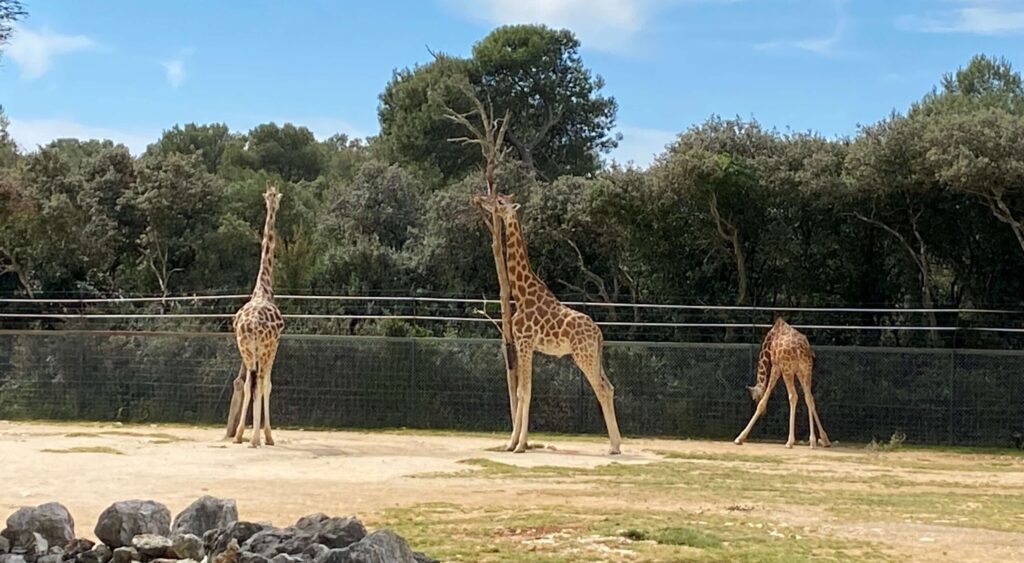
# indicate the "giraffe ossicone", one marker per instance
pixel 785 353
pixel 542 324
pixel 258 325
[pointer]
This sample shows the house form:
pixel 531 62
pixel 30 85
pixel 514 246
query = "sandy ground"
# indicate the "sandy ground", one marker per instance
pixel 91 466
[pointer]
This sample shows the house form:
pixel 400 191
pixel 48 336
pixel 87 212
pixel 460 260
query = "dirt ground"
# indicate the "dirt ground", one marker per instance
pixel 89 466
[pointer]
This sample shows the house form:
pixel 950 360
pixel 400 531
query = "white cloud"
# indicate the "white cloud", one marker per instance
pixel 607 25
pixel 826 45
pixel 980 17
pixel 34 52
pixel 175 71
pixel 640 145
pixel 32 133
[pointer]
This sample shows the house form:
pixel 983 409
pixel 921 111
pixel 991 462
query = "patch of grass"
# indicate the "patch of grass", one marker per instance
pixel 84 450
pixel 634 534
pixel 702 456
pixel 895 443
pixel 686 536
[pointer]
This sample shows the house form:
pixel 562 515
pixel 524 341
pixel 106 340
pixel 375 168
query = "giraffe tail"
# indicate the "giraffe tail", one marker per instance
pixel 254 350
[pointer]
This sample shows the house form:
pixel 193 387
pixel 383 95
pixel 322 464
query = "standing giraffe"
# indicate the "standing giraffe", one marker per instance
pixel 785 352
pixel 542 324
pixel 258 326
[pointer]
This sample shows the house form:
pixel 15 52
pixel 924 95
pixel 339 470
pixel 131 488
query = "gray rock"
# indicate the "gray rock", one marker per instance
pixel 382 546
pixel 285 558
pixel 5 545
pixel 55 550
pixel 216 541
pixel 51 558
pixel 270 542
pixel 51 520
pixel 187 546
pixel 332 532
pixel 78 546
pixel 126 555
pixel 249 557
pixel 12 558
pixel 32 545
pixel 152 545
pixel 423 558
pixel 124 520
pixel 315 551
pixel 98 554
pixel 205 514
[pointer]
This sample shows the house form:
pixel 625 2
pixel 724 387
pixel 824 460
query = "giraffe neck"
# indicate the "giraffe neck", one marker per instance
pixel 764 365
pixel 520 275
pixel 265 279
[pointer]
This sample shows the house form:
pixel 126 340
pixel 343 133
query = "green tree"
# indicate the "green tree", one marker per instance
pixel 560 123
pixel 11 11
pixel 288 151
pixel 206 141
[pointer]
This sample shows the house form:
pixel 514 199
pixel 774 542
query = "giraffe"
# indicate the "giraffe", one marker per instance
pixel 785 352
pixel 258 326
pixel 542 324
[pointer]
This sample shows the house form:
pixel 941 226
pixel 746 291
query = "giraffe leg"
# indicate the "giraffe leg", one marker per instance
pixel 793 399
pixel 267 386
pixel 257 411
pixel 813 408
pixel 246 400
pixel 809 401
pixel 513 390
pixel 525 394
pixel 762 405
pixel 590 364
pixel 236 403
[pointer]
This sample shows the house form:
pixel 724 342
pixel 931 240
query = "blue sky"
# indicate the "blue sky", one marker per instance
pixel 126 70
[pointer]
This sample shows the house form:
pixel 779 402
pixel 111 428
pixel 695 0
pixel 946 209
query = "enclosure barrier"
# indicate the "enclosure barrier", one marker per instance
pixel 933 395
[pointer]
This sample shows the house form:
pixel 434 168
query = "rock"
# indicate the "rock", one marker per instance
pixel 228 555
pixel 126 555
pixel 188 546
pixel 216 541
pixel 51 520
pixel 332 532
pixel 12 558
pixel 51 558
pixel 249 557
pixel 205 514
pixel 31 544
pixel 56 550
pixel 98 554
pixel 423 558
pixel 315 551
pixel 285 558
pixel 124 520
pixel 382 546
pixel 152 545
pixel 270 542
pixel 5 545
pixel 78 545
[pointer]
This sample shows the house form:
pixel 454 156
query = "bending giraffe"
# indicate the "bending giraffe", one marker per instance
pixel 785 352
pixel 258 325
pixel 542 324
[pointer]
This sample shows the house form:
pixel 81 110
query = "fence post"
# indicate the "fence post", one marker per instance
pixel 952 381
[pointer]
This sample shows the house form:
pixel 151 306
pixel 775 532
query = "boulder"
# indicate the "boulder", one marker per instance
pixel 382 546
pixel 32 545
pixel 285 558
pixel 51 558
pixel 5 545
pixel 51 520
pixel 216 541
pixel 332 532
pixel 187 546
pixel 423 558
pixel 124 520
pixel 126 555
pixel 314 552
pixel 77 546
pixel 152 545
pixel 205 514
pixel 98 554
pixel 12 558
pixel 249 557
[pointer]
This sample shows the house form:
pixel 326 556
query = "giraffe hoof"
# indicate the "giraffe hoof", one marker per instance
pixel 521 448
pixel 237 440
pixel 789 445
pixel 510 447
pixel 269 442
pixel 738 442
pixel 614 451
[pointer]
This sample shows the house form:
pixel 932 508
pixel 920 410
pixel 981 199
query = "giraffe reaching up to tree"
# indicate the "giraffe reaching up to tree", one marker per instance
pixel 258 325
pixel 785 352
pixel 542 324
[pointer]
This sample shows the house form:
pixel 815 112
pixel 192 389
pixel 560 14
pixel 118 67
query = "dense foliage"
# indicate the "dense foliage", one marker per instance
pixel 925 207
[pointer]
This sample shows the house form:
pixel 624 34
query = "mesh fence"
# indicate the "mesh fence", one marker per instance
pixel 935 396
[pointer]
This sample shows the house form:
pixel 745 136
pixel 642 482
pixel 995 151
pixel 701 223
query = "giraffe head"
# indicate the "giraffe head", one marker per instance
pixel 500 204
pixel 272 196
